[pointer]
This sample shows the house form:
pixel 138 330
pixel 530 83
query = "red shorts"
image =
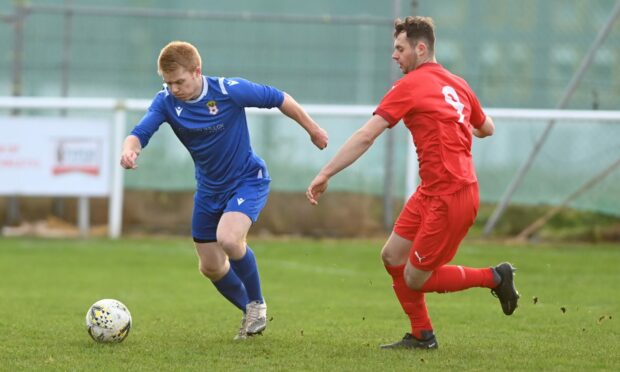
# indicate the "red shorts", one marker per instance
pixel 437 225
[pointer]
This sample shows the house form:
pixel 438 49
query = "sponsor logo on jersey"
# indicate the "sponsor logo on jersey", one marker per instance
pixel 206 131
pixel 213 110
pixel 230 83
pixel 178 109
pixel 240 201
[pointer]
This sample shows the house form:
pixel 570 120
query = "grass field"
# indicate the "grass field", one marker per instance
pixel 330 306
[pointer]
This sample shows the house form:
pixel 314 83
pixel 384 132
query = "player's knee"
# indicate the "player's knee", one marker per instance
pixel 413 281
pixel 233 247
pixel 389 258
pixel 211 271
pixel 386 257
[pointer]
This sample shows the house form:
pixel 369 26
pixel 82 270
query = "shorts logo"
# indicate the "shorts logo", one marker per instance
pixel 213 110
pixel 240 201
pixel 420 258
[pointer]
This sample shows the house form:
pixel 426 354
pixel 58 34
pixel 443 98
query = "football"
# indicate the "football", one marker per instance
pixel 108 321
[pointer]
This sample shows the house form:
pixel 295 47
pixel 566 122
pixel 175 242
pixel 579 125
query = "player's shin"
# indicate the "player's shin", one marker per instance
pixel 247 270
pixel 231 287
pixel 412 302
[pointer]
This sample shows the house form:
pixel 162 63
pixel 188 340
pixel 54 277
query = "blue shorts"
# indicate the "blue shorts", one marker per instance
pixel 249 198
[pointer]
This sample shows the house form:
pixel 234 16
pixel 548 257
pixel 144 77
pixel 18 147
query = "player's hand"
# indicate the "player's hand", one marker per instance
pixel 128 159
pixel 316 189
pixel 319 138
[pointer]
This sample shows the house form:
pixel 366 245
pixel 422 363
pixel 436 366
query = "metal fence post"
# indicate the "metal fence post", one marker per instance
pixel 13 211
pixel 388 180
pixel 115 203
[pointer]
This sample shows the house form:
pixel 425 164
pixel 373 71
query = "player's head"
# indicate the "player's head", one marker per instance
pixel 180 66
pixel 414 42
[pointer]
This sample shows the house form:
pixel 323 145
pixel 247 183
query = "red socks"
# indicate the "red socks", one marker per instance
pixel 411 301
pixel 456 278
pixel 444 279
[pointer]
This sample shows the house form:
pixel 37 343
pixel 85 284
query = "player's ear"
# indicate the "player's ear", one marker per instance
pixel 420 49
pixel 198 71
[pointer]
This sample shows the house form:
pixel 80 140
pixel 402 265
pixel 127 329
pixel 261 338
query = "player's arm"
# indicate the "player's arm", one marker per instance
pixel 249 94
pixel 486 129
pixel 142 132
pixel 131 151
pixel 355 146
pixel 293 110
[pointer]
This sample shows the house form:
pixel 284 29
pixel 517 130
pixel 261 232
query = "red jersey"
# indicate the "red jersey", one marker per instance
pixel 440 110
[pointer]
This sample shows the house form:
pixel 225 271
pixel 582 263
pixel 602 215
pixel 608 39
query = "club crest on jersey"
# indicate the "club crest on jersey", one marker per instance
pixel 212 107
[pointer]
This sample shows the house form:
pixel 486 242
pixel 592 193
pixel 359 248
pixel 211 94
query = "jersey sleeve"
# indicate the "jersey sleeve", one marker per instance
pixel 477 116
pixel 150 122
pixel 249 94
pixel 395 104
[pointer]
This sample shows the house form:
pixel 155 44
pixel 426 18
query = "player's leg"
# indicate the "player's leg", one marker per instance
pixel 213 262
pixel 448 220
pixel 450 278
pixel 231 235
pixel 232 232
pixel 241 211
pixel 395 254
pixel 453 278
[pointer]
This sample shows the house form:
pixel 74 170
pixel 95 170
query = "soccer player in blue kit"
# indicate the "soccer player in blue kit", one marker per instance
pixel 208 117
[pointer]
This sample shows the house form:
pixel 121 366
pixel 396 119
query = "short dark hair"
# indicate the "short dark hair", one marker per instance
pixel 417 28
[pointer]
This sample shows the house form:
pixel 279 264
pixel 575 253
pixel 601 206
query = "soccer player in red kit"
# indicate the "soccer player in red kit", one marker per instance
pixel 442 113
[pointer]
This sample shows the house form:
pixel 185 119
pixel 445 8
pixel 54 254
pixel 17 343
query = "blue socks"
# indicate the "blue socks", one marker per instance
pixel 231 287
pixel 247 271
pixel 241 284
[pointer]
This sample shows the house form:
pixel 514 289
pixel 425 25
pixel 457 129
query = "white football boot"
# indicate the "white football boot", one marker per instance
pixel 256 318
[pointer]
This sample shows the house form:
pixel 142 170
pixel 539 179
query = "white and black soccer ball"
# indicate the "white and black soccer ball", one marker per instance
pixel 108 320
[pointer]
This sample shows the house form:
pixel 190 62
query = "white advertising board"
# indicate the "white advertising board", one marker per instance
pixel 42 156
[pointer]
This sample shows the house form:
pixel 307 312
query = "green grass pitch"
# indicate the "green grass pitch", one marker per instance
pixel 330 306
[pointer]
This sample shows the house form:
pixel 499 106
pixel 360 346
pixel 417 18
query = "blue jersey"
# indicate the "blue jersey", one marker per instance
pixel 214 129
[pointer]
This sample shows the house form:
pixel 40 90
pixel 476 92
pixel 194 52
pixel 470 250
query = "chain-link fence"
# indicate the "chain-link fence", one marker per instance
pixel 514 54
